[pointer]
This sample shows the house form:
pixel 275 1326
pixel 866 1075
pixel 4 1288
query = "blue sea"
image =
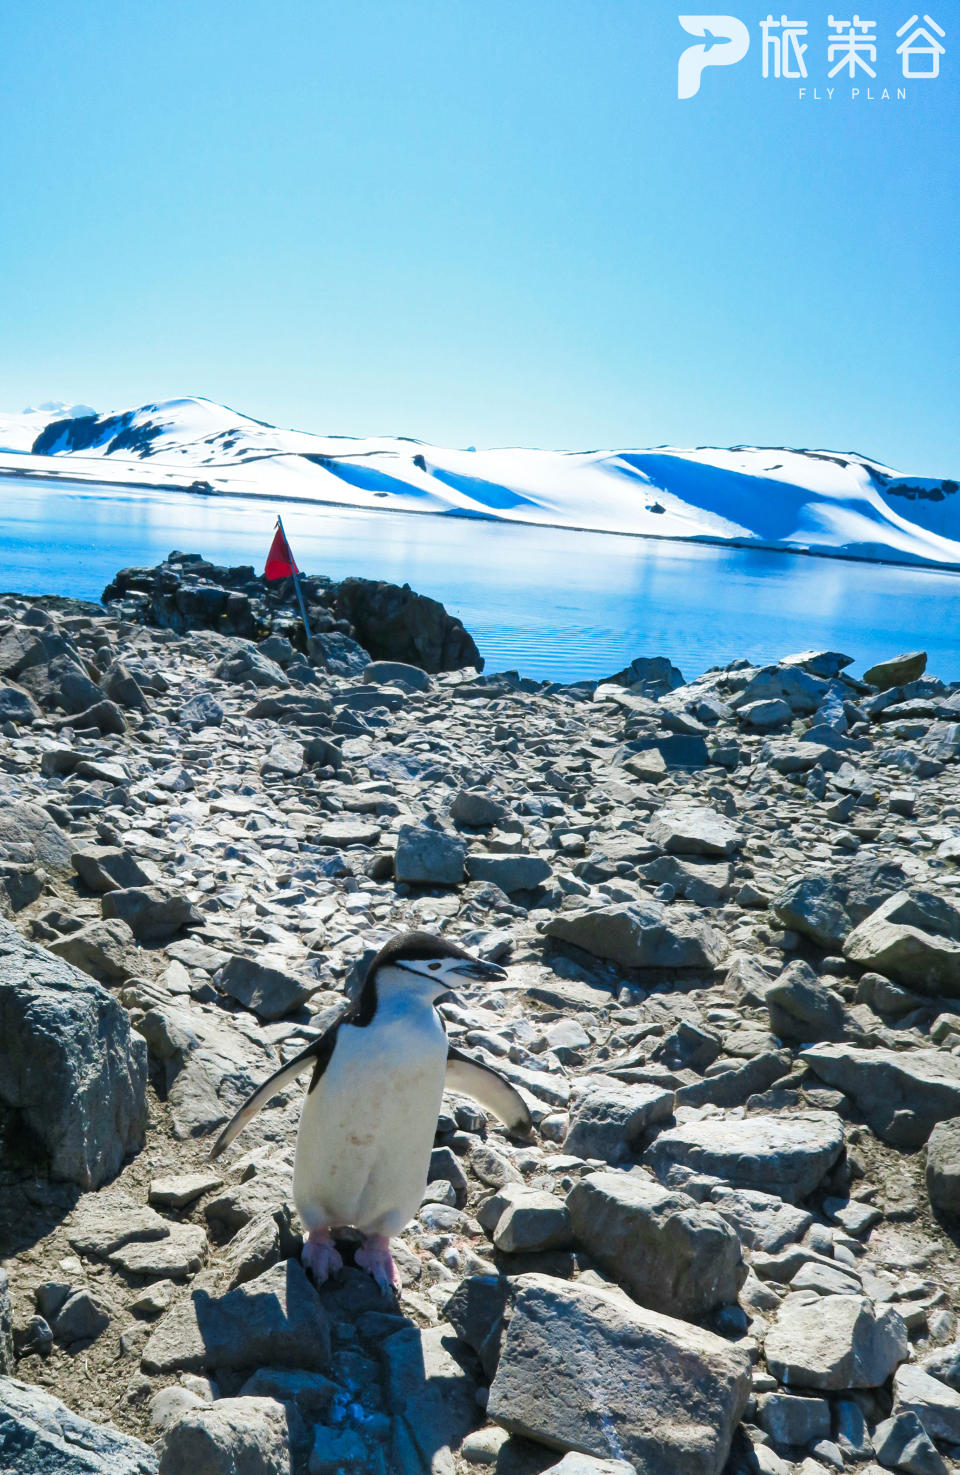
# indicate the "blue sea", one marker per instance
pixel 547 602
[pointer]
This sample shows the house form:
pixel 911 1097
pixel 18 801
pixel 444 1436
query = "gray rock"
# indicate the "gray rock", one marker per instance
pixel 898 671
pixel 902 1093
pixel 509 872
pixel 28 833
pixel 210 1067
pixel 609 1118
pixel 651 675
pixel 123 688
pixel 276 1319
pixel 705 883
pixel 788 1154
pixel 790 1420
pixel 269 992
pixel 943 1166
pixel 812 907
pixel 834 1342
pixel 693 829
pixel 285 759
pixel 154 913
pixel 82 1317
pixel 6 1326
pixel 902 1443
pixel 182 1189
pixel 110 868
pixel 533 1220
pixel 824 663
pixel 40 1436
pixel 234 1436
pixel 762 1220
pixel 201 710
pixel 766 715
pixel 429 857
pixel 802 1008
pixel 477 809
pixel 431 1396
pixel 397 673
pixel 584 1369
pixel 671 1254
pixel 801 692
pixel 246 663
pixel 640 935
pixel 935 1405
pixel 18 706
pixel 69 1063
pixel 914 938
pixel 106 950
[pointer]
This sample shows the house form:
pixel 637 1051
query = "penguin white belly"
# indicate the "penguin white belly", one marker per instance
pixel 367 1129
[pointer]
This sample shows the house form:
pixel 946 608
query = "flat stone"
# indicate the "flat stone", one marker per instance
pixel 179 1254
pixel 835 1342
pixel 902 1443
pixel 693 829
pixel 762 1220
pixel 276 1319
pixel 640 935
pixel 183 1189
pixel 585 1370
pixel 344 832
pixel 671 1254
pixel 790 1154
pixel 935 1404
pixel 111 868
pixel 153 912
pixel 902 1093
pixel 802 1007
pixel 511 872
pixel 533 1220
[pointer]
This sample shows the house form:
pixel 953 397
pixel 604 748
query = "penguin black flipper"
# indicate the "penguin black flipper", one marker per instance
pixel 316 1056
pixel 487 1087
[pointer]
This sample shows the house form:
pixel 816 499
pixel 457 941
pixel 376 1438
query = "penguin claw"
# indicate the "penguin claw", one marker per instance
pixel 374 1256
pixel 321 1255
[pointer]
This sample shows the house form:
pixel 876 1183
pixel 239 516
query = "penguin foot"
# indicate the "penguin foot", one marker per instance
pixel 374 1255
pixel 321 1255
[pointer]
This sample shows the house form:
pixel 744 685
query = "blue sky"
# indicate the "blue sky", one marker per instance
pixel 478 223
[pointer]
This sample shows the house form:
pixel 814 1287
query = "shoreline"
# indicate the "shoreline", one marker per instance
pixel 704 540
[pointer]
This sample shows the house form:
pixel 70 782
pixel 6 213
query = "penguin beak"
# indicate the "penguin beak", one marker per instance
pixel 484 972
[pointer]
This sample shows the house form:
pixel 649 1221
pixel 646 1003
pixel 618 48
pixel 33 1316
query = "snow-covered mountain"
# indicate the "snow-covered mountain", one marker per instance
pixel 804 500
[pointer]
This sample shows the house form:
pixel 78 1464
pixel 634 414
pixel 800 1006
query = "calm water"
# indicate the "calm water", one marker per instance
pixel 552 603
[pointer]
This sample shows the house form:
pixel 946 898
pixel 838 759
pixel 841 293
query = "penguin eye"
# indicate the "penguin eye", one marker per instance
pixel 433 966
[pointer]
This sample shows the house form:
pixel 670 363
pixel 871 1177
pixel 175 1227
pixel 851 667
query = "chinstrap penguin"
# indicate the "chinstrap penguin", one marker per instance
pixel 370 1113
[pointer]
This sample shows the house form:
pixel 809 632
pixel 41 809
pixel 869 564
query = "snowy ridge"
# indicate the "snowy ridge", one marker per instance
pixel 802 500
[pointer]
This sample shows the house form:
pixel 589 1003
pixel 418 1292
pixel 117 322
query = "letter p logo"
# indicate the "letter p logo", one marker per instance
pixel 725 40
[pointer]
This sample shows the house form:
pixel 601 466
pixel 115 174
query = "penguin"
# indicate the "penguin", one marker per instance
pixel 369 1117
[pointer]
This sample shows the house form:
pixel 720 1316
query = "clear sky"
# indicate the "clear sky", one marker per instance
pixel 479 222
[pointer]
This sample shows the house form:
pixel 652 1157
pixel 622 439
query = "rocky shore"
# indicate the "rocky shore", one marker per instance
pixel 729 910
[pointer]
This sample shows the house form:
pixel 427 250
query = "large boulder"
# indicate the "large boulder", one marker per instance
pixel 584 1369
pixel 835 1342
pixel 776 1153
pixel 671 1254
pixel 69 1063
pixel 210 1064
pixel 429 857
pixel 641 935
pixel 39 1435
pixel 269 992
pixel 914 938
pixel 802 1008
pixel 902 1093
pixel 826 908
pixel 396 624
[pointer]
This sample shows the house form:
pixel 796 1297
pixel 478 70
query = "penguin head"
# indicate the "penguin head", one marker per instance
pixel 428 966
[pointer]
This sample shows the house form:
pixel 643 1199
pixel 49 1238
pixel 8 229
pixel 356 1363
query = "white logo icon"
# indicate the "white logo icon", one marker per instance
pixel 725 40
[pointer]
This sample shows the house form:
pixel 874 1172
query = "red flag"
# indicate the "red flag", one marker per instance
pixel 280 564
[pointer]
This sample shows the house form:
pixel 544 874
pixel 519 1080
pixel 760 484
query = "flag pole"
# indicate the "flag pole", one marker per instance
pixel 296 578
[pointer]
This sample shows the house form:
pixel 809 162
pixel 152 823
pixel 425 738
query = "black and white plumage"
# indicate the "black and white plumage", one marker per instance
pixel 370 1113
